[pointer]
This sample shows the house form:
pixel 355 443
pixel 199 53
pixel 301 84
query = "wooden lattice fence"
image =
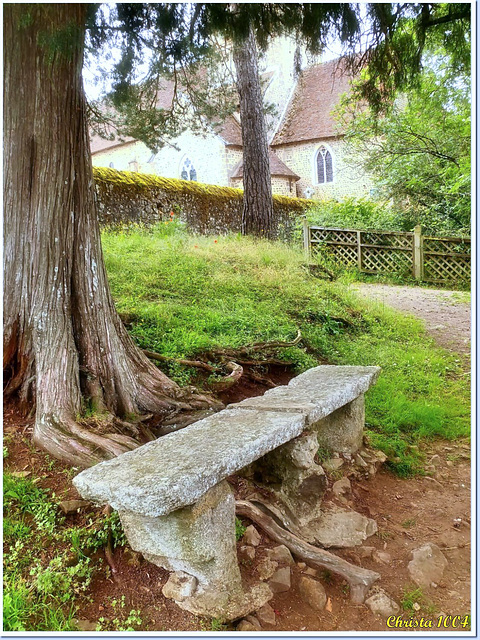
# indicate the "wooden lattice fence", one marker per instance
pixel 410 254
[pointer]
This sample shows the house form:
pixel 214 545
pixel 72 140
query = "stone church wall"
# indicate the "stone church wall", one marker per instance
pixel 347 181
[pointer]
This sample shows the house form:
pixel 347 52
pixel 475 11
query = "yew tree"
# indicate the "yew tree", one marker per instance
pixel 65 347
pixel 64 343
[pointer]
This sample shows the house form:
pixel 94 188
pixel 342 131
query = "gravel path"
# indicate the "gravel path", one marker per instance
pixel 446 314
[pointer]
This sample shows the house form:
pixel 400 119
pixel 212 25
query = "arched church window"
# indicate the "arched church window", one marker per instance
pixel 324 166
pixel 188 171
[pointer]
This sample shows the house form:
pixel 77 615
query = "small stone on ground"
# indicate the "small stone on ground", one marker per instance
pixel 281 554
pixel 312 592
pixel 72 506
pixel 266 615
pixel 251 536
pixel 382 605
pixel 280 581
pixel 266 568
pixel 427 565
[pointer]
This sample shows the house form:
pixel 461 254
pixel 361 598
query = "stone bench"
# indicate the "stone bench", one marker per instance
pixel 177 508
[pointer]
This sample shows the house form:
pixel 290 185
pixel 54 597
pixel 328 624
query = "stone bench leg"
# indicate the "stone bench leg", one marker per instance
pixel 198 543
pixel 342 430
pixel 291 473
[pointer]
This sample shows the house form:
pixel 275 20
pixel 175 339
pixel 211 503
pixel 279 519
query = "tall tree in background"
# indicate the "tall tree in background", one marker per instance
pixel 65 347
pixel 257 215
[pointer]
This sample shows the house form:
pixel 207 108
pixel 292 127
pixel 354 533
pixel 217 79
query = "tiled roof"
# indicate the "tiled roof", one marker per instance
pixel 231 132
pixel 309 114
pixel 277 168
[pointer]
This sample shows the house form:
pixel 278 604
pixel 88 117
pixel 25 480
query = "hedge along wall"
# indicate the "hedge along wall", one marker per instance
pixel 125 197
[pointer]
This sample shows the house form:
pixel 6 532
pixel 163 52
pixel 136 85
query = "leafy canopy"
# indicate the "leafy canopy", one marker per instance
pixel 419 151
pixel 181 42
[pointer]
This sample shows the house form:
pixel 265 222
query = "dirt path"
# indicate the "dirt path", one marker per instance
pixel 446 314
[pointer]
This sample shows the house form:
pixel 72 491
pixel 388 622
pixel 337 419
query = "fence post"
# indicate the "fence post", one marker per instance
pixel 359 250
pixel 306 240
pixel 418 252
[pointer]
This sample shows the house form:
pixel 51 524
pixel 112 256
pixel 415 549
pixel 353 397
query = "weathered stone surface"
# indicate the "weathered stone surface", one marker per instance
pixel 245 625
pixel 177 469
pixel 342 430
pixel 226 606
pixel 342 488
pixel 291 473
pixel 427 565
pixel 281 554
pixel 339 527
pixel 254 621
pixel 199 540
pixel 246 552
pixel 266 568
pixel 251 536
pixel 280 580
pixel 301 451
pixel 266 615
pixel 180 585
pixel 312 592
pixel 382 556
pixel 382 605
pixel 317 392
pixel 72 506
pixel 332 464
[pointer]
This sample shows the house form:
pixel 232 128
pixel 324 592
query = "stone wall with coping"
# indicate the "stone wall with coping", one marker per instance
pixel 126 198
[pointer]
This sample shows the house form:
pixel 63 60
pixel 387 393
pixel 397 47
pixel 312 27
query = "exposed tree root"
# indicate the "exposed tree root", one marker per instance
pixel 236 362
pixel 67 440
pixel 189 363
pixel 359 579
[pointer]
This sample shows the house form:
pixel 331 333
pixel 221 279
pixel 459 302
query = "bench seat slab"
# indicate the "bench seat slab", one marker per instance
pixel 177 469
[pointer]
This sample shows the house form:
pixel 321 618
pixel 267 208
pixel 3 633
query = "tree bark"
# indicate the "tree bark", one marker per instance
pixel 257 216
pixel 64 344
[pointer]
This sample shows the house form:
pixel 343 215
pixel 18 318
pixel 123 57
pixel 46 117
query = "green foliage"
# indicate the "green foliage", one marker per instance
pixel 189 295
pixel 239 529
pixel 411 597
pixel 352 213
pixel 122 621
pixel 419 152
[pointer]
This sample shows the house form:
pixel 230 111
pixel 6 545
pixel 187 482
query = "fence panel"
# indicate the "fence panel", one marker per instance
pixel 425 257
pixel 446 259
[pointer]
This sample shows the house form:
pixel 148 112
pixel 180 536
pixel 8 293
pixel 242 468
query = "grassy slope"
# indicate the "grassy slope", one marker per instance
pixel 188 294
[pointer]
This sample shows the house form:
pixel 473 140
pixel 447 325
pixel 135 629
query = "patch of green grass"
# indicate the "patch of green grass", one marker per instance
pixel 411 522
pixel 410 597
pixel 47 566
pixel 188 295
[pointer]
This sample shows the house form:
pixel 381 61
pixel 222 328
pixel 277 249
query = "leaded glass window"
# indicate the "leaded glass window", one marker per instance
pixel 324 166
pixel 188 171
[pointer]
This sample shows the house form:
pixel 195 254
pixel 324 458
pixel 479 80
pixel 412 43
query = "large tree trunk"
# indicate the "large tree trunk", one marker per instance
pixel 65 347
pixel 257 217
